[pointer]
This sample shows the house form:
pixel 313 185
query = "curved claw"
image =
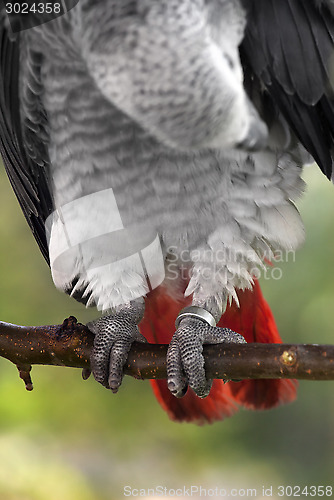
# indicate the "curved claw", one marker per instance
pixel 114 336
pixel 185 362
pixel 86 372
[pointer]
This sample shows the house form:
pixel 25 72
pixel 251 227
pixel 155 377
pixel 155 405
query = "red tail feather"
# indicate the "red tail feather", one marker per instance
pixel 217 406
pixel 255 322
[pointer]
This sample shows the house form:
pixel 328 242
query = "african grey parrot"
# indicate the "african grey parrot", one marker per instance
pixel 153 143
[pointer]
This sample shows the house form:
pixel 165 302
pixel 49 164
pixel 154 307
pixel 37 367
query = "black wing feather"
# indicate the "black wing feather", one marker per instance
pixel 27 173
pixel 288 49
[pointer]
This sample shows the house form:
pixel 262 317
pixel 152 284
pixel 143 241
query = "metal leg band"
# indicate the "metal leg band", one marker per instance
pixel 197 313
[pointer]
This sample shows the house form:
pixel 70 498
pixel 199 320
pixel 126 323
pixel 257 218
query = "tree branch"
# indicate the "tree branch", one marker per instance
pixel 70 344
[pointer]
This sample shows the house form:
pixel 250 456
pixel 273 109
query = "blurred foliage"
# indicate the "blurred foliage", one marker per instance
pixel 74 440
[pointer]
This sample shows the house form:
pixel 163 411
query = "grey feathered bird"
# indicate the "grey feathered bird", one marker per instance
pixel 145 138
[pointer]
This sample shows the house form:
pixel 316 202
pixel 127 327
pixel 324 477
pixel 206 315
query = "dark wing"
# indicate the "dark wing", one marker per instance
pixel 21 146
pixel 288 50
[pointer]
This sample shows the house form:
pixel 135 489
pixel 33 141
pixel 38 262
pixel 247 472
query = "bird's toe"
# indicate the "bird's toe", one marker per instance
pixel 185 361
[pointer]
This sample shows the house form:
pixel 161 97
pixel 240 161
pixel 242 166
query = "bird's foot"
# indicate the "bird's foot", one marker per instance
pixel 114 336
pixel 185 362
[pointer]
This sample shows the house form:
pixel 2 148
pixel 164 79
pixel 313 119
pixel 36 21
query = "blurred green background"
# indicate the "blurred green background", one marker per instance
pixel 73 440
